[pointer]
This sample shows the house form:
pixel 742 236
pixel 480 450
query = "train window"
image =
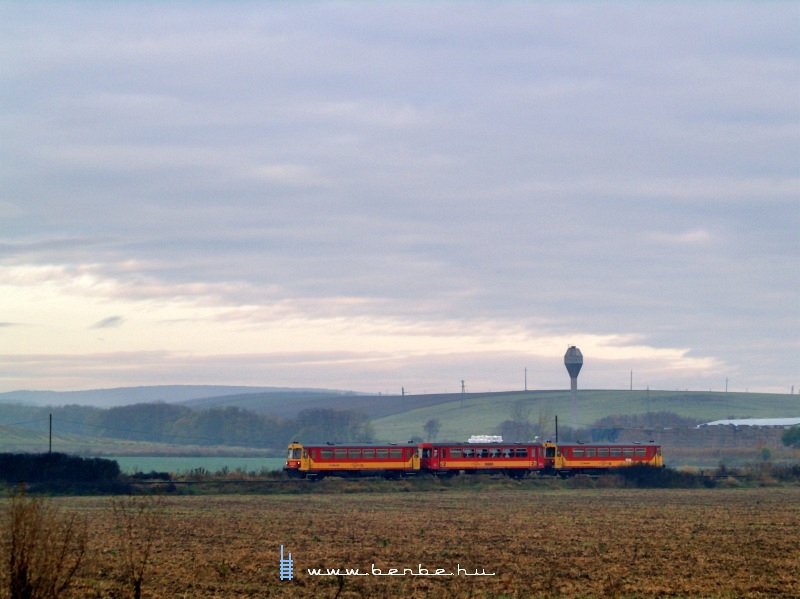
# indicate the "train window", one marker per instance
pixel 590 453
pixel 627 451
pixel 383 454
pixel 616 452
pixel 395 453
pixel 354 454
pixel 549 452
pixel 521 452
pixel 426 452
pixel 327 454
pixel 508 453
pixel 641 451
pixel 494 453
pixel 577 453
pixel 602 452
pixel 483 453
pixel 369 454
pixel 469 453
pixel 455 452
pixel 340 454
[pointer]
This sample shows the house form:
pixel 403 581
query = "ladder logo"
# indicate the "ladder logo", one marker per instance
pixel 287 566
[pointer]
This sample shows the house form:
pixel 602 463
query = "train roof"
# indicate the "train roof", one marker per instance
pixel 539 443
pixel 605 444
pixel 474 444
pixel 326 445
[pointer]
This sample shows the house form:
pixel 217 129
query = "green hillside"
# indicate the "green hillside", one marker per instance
pixel 394 418
pixel 481 414
pixel 14 439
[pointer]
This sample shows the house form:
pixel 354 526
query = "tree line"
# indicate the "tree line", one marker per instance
pixel 169 423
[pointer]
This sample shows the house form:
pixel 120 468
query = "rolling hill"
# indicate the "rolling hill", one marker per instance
pixel 399 418
pixel 121 396
pixel 481 414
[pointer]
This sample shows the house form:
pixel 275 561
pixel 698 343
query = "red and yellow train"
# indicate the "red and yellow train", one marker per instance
pixel 515 460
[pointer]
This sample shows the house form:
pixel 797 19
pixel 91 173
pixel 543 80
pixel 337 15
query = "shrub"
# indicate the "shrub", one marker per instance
pixel 43 549
pixel 138 524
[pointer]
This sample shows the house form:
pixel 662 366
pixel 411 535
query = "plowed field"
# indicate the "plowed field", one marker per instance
pixel 567 543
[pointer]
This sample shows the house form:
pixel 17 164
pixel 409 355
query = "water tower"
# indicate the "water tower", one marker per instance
pixel 573 360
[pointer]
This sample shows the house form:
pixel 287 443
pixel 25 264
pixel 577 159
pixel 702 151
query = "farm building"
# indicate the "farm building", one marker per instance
pixel 779 422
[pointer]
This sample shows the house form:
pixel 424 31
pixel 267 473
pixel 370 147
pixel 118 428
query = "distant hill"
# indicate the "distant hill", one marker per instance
pixel 288 403
pixel 394 418
pixel 398 418
pixel 461 417
pixel 121 396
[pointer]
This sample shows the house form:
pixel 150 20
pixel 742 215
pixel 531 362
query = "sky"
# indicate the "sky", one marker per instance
pixel 400 196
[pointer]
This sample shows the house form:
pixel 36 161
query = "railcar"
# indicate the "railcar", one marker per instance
pixel 352 460
pixel 598 458
pixel 512 459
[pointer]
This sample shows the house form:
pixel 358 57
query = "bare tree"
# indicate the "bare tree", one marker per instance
pixel 138 523
pixel 518 427
pixel 43 548
pixel 432 428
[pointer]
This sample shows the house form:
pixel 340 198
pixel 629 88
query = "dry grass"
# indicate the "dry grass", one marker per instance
pixel 42 548
pixel 560 543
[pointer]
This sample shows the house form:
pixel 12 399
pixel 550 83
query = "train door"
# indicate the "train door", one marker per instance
pixel 551 455
pixel 429 459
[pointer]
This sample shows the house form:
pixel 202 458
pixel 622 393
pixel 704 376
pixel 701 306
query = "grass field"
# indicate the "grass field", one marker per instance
pixel 482 414
pixel 536 543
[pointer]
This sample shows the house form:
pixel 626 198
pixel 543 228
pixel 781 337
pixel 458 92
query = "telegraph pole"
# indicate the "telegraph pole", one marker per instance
pixel 50 439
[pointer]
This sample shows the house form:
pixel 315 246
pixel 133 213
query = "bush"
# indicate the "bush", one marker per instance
pixel 662 478
pixel 42 548
pixel 50 467
pixel 138 523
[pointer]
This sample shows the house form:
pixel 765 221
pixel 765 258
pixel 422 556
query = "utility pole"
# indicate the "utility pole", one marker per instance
pixel 463 391
pixel 50 439
pixel 526 379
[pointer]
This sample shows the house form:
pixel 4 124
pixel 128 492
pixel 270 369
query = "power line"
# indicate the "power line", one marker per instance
pixel 25 422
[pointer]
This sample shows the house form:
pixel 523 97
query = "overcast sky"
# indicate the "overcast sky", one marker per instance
pixel 373 196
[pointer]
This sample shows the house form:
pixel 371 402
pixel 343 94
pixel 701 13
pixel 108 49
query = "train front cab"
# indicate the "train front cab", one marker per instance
pixel 296 461
pixel 319 461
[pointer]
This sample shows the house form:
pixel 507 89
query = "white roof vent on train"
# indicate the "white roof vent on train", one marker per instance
pixel 485 439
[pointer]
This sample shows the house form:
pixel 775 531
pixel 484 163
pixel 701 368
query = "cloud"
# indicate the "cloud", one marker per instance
pixel 696 237
pixel 112 322
pixel 430 183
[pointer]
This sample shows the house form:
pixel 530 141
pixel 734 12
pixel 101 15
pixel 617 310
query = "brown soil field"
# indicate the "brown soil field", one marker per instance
pixel 554 543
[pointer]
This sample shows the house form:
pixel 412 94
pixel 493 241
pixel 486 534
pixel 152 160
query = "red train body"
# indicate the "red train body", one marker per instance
pixel 319 461
pixel 516 460
pixel 513 459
